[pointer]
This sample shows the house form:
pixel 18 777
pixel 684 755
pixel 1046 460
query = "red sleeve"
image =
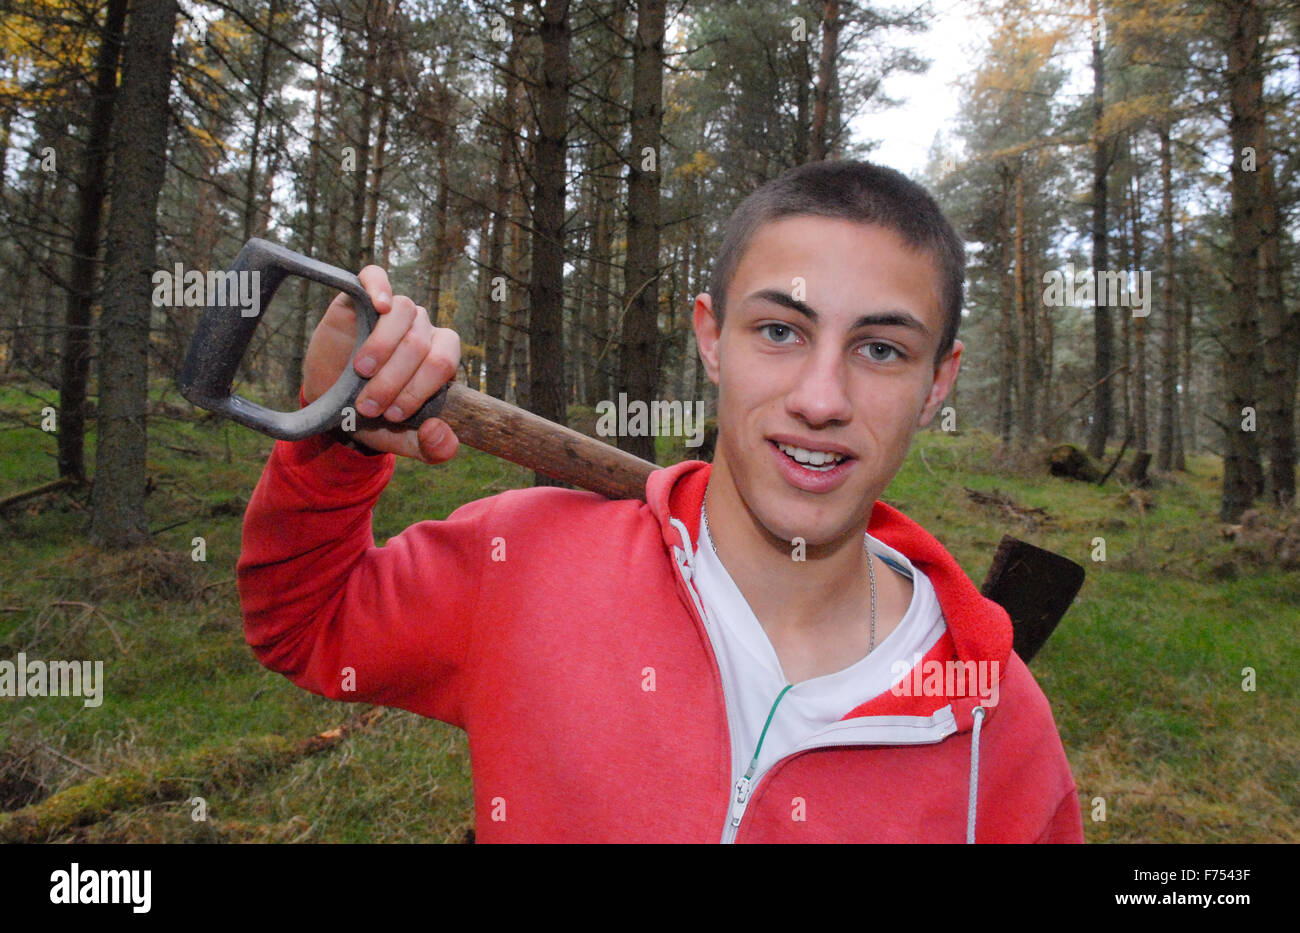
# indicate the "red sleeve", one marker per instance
pixel 336 614
pixel 1067 823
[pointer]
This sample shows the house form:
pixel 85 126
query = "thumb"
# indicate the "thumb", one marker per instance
pixel 436 442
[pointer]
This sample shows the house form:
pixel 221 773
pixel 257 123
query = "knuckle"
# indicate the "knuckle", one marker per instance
pixel 416 339
pixel 446 369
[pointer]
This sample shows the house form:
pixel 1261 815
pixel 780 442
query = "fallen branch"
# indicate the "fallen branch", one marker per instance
pixel 1082 395
pixel 70 760
pixel 54 486
pixel 179 778
pixel 1032 516
pixel 92 610
pixel 1123 447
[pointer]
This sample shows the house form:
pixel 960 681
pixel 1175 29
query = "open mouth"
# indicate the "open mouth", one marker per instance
pixel 820 461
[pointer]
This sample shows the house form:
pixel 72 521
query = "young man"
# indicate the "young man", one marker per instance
pixel 759 652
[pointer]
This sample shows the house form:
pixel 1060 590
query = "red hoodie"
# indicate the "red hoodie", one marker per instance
pixel 562 632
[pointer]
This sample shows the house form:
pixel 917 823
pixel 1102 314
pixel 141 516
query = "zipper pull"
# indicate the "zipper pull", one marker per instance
pixel 743 787
pixel 746 784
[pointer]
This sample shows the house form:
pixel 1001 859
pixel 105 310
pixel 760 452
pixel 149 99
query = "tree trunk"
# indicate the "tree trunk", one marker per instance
pixel 1139 323
pixel 604 227
pixel 361 249
pixel 118 516
pixel 1126 322
pixel 1241 471
pixel 831 25
pixel 1102 327
pixel 482 296
pixel 1169 342
pixel 546 393
pixel 639 361
pixel 802 94
pixel 1026 375
pixel 85 251
pixel 1277 405
pixel 1189 402
pixel 495 358
pixel 293 374
pixel 6 121
pixel 387 54
pixel 259 113
pixel 442 234
pixel 515 353
pixel 1007 331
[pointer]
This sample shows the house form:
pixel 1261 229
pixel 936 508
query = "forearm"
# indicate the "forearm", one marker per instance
pixel 306 527
pixel 341 617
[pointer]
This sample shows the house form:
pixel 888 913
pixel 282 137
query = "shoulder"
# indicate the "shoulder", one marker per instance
pixel 1025 729
pixel 558 511
pixel 1028 768
pixel 556 502
pixel 1022 700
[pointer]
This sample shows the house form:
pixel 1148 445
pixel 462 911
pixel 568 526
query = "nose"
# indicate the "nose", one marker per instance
pixel 820 396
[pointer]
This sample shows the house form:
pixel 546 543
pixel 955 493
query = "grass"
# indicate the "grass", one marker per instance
pixel 1145 673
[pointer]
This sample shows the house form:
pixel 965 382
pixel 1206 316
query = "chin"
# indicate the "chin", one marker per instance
pixel 787 514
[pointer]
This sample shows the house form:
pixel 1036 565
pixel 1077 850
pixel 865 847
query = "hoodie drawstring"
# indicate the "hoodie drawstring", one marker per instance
pixel 685 558
pixel 978 713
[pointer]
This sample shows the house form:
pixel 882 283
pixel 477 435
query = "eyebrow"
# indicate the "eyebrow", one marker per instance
pixel 893 318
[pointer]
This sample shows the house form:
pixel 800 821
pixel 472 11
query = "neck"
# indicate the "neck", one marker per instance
pixel 789 586
pixel 816 612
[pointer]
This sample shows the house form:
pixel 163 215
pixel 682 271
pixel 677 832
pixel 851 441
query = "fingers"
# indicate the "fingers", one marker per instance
pixel 434 370
pixel 410 358
pixel 405 360
pixel 434 442
pixel 375 281
pixel 391 354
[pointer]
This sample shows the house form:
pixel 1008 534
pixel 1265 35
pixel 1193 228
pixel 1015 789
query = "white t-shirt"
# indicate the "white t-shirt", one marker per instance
pixel 751 673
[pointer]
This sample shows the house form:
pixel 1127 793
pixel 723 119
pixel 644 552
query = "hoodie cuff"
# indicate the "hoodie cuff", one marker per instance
pixel 337 450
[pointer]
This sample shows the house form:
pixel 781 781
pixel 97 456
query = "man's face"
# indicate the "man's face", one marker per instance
pixel 826 356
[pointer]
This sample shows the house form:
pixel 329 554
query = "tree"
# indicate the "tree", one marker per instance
pixel 547 393
pixel 1103 328
pixel 1245 81
pixel 85 250
pixel 640 359
pixel 118 516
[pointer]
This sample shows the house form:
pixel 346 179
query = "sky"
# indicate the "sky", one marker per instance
pixel 929 101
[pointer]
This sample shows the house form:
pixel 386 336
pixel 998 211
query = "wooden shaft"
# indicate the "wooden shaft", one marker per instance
pixel 502 430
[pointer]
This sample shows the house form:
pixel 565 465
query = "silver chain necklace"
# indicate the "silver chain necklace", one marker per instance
pixel 871 572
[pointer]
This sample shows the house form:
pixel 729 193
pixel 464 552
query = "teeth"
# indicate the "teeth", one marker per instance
pixel 821 460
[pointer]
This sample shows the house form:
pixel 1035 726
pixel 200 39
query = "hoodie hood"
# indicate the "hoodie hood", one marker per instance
pixel 978 629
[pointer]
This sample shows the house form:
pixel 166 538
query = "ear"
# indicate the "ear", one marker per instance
pixel 707 334
pixel 945 374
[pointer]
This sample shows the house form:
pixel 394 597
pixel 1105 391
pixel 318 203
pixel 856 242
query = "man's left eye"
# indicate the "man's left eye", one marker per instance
pixel 778 333
pixel 882 352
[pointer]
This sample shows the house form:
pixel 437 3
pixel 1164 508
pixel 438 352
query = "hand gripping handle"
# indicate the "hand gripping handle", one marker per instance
pixel 225 330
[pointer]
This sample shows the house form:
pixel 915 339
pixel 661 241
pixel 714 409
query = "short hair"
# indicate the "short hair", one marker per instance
pixel 858 191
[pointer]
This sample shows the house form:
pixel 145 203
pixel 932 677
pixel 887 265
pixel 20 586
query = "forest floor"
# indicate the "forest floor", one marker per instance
pixel 1149 675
